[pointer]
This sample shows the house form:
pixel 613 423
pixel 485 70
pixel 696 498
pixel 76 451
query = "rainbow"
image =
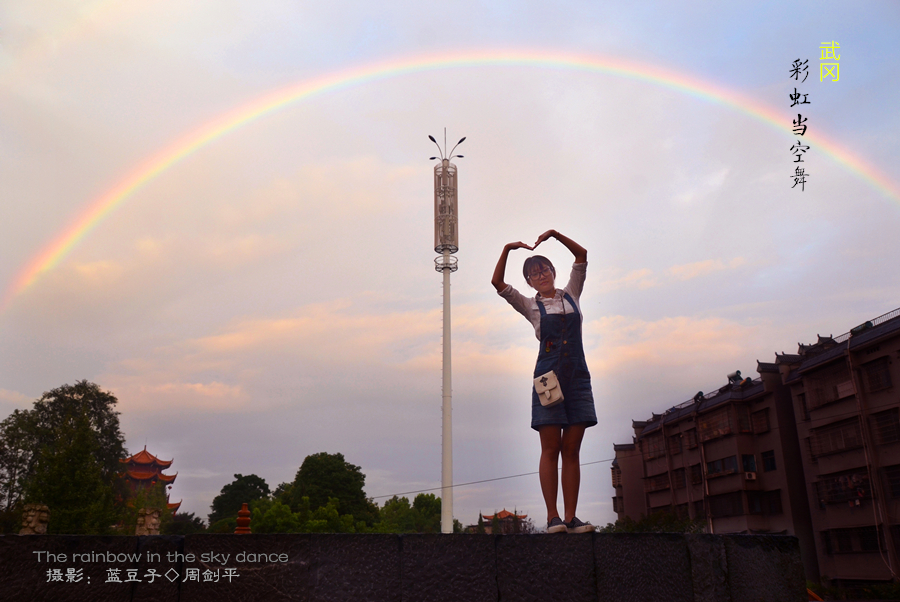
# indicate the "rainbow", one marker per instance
pixel 166 158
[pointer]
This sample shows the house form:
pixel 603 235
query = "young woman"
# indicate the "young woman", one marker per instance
pixel 556 317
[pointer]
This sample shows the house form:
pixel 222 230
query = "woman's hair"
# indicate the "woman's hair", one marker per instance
pixel 536 261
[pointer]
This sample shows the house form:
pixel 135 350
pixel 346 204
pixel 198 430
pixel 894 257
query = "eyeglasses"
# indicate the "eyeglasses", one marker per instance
pixel 546 273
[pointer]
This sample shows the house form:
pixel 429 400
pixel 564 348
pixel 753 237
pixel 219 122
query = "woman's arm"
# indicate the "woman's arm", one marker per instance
pixel 577 250
pixel 500 270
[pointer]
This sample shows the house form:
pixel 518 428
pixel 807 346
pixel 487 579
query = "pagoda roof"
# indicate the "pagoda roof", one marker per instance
pixel 145 457
pixel 174 506
pixel 503 514
pixel 146 475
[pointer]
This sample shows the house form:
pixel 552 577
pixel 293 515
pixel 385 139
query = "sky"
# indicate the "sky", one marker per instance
pixel 222 212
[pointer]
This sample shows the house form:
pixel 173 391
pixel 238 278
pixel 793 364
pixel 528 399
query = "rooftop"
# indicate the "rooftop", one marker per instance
pixel 864 334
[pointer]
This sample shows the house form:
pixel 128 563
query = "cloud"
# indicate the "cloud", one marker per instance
pixel 627 344
pixel 141 394
pixel 645 278
pixel 13 400
pixel 689 271
pixel 641 279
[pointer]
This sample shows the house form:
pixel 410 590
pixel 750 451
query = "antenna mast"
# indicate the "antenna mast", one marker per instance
pixel 446 242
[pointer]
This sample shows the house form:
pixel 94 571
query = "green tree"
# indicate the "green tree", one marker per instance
pixel 17 450
pixel 327 519
pixel 272 516
pixel 422 516
pixel 184 523
pixel 324 476
pixel 496 528
pixel 396 516
pixel 244 489
pixel 44 430
pixel 226 525
pixel 69 478
pixel 427 509
pixel 480 529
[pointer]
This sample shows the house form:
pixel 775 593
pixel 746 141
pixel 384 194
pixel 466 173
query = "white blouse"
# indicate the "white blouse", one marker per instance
pixel 528 306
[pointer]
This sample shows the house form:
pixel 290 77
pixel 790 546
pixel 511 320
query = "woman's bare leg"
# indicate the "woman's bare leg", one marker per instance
pixel 571 468
pixel 551 444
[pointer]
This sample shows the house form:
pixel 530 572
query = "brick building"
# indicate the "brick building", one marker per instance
pixel 810 448
pixel 729 458
pixel 848 425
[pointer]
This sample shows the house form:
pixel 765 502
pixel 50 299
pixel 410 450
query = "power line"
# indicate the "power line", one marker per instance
pixel 524 474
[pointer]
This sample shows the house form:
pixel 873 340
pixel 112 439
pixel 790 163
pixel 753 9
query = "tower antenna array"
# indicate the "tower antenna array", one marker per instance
pixel 446 243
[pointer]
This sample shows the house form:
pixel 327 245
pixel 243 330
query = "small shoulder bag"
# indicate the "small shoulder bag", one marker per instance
pixel 548 389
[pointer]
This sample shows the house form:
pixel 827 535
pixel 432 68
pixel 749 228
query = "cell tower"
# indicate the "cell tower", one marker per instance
pixel 446 242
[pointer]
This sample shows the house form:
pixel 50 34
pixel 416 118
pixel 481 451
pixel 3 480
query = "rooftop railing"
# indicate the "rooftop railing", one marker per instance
pixel 875 322
pixel 710 395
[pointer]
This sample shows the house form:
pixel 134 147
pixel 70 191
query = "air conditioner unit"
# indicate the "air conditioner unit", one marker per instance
pixel 750 476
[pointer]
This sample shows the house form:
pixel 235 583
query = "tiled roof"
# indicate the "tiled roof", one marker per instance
pixel 140 475
pixel 726 394
pixel 503 514
pixel 866 337
pixel 145 457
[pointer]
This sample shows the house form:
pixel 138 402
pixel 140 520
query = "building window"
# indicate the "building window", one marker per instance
pixel 892 478
pixel 743 419
pixel 727 504
pixel 696 475
pixel 855 540
pixel 654 446
pixel 868 539
pixel 715 424
pixel 675 444
pixel 749 462
pixel 657 483
pixel 768 460
pixel 767 503
pixel 617 477
pixel 878 374
pixel 887 426
pixel 828 385
pixel 681 511
pixel 691 436
pixel 699 510
pixel 760 421
pixel 804 411
pixel 844 487
pixel 842 542
pixel 678 480
pixel 836 437
pixel 724 466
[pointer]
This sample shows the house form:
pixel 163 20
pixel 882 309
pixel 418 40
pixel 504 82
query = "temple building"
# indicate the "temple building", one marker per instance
pixel 143 470
pixel 510 522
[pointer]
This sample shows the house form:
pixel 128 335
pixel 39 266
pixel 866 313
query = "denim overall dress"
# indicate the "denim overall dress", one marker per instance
pixel 562 350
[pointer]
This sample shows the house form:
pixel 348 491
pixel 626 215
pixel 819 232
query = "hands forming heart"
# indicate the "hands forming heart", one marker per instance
pixel 541 238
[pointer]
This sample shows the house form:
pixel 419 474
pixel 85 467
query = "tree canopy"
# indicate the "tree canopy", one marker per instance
pixel 69 478
pixel 183 523
pixel 324 476
pixel 422 516
pixel 244 489
pixel 65 452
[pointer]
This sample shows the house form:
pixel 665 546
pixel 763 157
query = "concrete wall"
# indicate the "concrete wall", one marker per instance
pixel 457 568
